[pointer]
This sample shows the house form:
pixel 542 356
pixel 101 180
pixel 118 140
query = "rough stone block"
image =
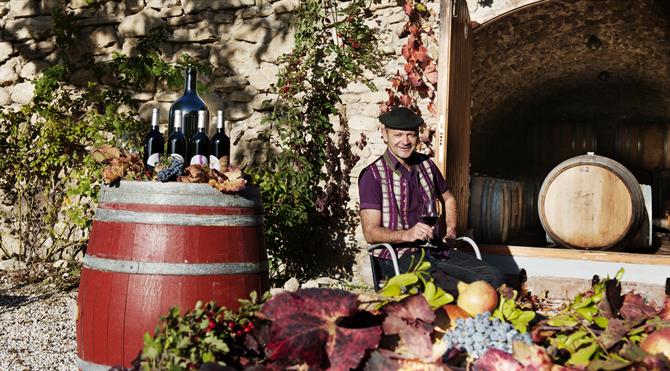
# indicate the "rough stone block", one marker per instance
pixel 264 76
pixel 5 50
pixel 239 112
pixel 281 43
pixel 30 70
pixel 4 97
pixel 285 6
pixel 37 28
pixel 103 37
pixel 264 102
pixel 9 71
pixel 194 6
pixel 22 8
pixel 23 92
pixel 200 32
pixel 141 23
pixel 252 33
pixel 257 11
pixel 229 84
pixel 363 123
pixel 245 95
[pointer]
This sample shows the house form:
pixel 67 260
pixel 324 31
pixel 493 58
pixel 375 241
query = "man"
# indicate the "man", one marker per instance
pixel 393 190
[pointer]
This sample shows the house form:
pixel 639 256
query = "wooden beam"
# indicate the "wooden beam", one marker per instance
pixel 443 68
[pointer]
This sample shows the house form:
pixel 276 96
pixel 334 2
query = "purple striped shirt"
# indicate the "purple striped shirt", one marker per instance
pixel 370 187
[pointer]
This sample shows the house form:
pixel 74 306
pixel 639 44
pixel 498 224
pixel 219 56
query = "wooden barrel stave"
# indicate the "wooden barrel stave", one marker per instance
pixel 496 209
pixel 200 245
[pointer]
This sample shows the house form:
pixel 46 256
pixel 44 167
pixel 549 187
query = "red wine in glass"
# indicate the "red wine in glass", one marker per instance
pixel 429 219
pixel 429 216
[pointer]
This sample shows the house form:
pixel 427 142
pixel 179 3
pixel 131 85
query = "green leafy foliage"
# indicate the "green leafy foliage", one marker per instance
pixel 417 280
pixel 50 178
pixel 509 311
pixel 206 334
pixel 305 175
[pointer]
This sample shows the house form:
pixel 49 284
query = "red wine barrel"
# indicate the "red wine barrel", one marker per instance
pixel 154 246
pixel 496 209
pixel 643 146
pixel 591 202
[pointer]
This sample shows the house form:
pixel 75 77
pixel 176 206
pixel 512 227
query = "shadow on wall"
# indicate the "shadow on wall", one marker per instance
pixel 239 40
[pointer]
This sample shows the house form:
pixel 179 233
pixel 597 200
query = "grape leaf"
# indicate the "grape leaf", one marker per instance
pixel 411 319
pixel 612 300
pixel 495 359
pixel 634 308
pixel 305 329
pixel 615 332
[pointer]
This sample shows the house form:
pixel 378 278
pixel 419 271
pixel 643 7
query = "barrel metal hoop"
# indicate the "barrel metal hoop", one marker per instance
pixel 89 366
pixel 122 216
pixel 172 269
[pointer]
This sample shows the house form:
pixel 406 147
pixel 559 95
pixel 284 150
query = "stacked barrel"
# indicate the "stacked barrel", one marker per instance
pixel 587 202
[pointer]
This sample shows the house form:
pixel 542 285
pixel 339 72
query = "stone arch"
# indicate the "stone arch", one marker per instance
pixel 559 61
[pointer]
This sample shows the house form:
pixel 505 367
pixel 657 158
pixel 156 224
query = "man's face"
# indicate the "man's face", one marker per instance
pixel 401 142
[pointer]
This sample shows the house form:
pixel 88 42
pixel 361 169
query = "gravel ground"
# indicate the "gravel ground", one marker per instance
pixel 37 327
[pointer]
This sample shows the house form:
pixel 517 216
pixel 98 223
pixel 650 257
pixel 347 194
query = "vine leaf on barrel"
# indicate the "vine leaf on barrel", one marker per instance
pixel 319 327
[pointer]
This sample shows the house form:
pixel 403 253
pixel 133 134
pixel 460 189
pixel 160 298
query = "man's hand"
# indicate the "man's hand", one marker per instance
pixel 420 231
pixel 451 232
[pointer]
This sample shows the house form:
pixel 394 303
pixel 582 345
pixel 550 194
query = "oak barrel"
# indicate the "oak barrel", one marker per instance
pixel 496 209
pixel 591 202
pixel 158 245
pixel 643 146
pixel 549 143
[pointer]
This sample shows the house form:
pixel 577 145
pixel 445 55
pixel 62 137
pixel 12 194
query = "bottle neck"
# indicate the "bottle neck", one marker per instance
pixel 190 85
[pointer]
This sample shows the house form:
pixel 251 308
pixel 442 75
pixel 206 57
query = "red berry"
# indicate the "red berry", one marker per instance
pixel 231 325
pixel 250 325
pixel 239 333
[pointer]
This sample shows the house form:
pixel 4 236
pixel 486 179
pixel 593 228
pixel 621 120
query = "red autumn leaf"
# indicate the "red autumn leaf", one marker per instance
pixel 305 328
pixel 411 319
pixel 495 359
pixel 405 100
pixel 432 109
pixel 635 309
pixel 430 72
pixel 665 311
pixel 408 7
pixel 421 55
pixel 409 67
pixel 406 52
pixel 415 79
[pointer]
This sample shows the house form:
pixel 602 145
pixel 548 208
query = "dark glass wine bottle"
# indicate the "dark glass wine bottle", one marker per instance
pixel 154 144
pixel 199 143
pixel 177 140
pixel 189 104
pixel 219 146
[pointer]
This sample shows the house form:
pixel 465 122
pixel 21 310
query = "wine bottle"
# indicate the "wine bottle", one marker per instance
pixel 154 144
pixel 199 142
pixel 177 140
pixel 189 104
pixel 219 146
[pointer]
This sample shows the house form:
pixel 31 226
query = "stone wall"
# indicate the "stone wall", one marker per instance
pixel 241 39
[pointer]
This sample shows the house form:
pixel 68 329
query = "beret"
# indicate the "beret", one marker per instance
pixel 401 118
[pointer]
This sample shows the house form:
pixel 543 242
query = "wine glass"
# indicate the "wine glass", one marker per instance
pixel 429 216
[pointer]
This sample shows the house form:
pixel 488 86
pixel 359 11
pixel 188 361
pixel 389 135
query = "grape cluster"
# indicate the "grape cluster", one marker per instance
pixel 476 335
pixel 170 173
